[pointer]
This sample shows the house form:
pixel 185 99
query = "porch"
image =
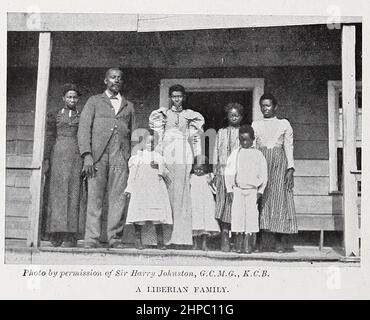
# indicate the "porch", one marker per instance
pixel 18 253
pixel 295 60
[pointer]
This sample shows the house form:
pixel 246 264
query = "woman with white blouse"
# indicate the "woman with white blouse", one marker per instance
pixel 274 138
pixel 179 132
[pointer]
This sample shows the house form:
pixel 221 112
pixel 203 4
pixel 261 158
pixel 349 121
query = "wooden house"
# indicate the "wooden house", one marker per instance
pixel 312 67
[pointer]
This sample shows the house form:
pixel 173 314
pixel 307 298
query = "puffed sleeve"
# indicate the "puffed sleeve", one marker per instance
pixel 288 143
pixel 157 123
pixel 196 122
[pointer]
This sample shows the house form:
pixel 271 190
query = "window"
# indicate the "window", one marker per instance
pixel 335 118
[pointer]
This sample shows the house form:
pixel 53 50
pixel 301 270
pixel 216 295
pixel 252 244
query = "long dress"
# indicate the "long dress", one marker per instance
pixel 203 206
pixel 149 201
pixel 179 143
pixel 65 173
pixel 227 140
pixel 274 138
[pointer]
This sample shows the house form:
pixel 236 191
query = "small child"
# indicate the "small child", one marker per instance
pixel 146 188
pixel 246 178
pixel 203 203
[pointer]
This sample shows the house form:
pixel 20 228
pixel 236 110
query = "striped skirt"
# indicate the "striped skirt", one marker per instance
pixel 278 212
pixel 224 201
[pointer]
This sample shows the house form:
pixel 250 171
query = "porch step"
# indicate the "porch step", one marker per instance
pixel 131 256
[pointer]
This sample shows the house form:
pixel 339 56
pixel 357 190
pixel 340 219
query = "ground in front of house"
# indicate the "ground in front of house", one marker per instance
pixel 16 252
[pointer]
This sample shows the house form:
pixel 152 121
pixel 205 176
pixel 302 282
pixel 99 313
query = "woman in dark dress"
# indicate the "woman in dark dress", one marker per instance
pixel 63 159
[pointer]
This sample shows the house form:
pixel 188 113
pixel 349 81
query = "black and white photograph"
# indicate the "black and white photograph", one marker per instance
pixel 177 145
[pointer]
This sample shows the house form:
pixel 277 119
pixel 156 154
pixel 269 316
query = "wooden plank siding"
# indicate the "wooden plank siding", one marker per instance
pixel 18 178
pixel 17 205
pixel 316 209
pixel 19 133
pixel 318 204
pixel 16 228
pixel 327 222
pixel 19 139
pixel 19 161
pixel 20 120
pixel 311 185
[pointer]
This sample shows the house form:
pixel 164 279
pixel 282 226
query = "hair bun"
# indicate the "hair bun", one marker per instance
pixel 70 87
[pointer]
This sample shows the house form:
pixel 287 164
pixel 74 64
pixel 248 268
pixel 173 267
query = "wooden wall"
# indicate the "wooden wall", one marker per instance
pixel 301 92
pixel 21 94
pixel 316 209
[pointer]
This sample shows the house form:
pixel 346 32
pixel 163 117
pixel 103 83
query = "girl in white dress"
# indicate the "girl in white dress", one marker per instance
pixel 146 188
pixel 202 193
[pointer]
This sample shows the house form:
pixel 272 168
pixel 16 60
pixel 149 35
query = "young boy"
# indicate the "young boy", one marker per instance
pixel 246 178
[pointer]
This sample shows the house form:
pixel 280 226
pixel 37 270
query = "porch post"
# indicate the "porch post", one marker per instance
pixel 43 72
pixel 350 211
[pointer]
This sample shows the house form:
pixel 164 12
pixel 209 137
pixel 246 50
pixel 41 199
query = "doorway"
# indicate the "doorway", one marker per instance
pixel 209 96
pixel 218 91
pixel 212 104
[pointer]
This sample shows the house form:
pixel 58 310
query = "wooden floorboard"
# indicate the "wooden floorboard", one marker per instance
pixel 17 253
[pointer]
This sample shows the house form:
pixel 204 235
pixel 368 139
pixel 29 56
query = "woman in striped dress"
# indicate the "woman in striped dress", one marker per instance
pixel 274 138
pixel 227 140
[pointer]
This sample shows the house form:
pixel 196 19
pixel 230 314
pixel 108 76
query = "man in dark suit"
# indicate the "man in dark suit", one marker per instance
pixel 104 137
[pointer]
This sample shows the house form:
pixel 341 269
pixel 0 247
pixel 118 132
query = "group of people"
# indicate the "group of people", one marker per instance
pixel 168 186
